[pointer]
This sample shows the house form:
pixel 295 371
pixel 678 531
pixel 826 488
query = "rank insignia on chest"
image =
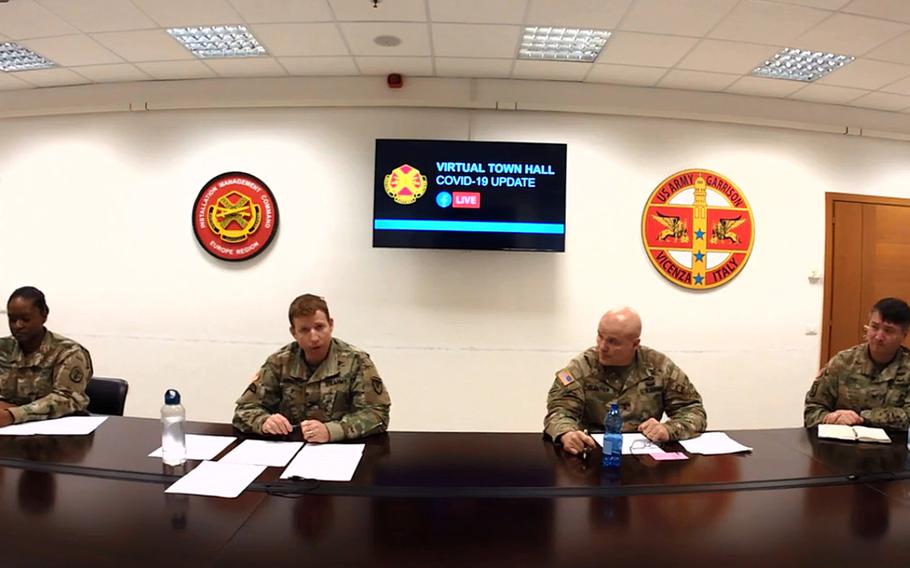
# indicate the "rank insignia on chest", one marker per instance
pixel 565 377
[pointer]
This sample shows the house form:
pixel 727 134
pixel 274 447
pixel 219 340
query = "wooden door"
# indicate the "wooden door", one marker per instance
pixel 867 257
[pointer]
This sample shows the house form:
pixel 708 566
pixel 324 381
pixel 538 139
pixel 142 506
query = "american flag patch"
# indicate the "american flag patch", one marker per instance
pixel 565 377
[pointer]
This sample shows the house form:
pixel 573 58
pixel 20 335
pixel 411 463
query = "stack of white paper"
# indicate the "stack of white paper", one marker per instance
pixel 66 426
pixel 201 447
pixel 263 452
pixel 712 444
pixel 216 479
pixel 642 444
pixel 328 462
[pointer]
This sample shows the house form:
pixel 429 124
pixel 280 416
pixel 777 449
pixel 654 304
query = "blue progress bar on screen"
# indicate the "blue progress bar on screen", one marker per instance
pixel 468 226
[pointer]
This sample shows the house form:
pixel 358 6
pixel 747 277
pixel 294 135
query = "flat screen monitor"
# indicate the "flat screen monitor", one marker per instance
pixel 446 194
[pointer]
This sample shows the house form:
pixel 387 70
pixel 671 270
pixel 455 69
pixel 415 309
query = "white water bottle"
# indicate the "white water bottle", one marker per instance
pixel 173 434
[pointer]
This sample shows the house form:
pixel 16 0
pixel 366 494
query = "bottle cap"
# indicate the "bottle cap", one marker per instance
pixel 171 396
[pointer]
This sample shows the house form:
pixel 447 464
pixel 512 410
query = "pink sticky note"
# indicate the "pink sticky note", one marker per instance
pixel 669 456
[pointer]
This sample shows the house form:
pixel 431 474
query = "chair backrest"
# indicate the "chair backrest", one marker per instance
pixel 106 395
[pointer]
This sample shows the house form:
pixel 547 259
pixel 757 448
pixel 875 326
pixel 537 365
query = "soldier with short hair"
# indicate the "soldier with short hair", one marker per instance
pixel 619 370
pixel 328 387
pixel 868 384
pixel 42 374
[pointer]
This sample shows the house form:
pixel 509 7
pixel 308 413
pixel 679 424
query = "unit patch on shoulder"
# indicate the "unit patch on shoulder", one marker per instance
pixel 565 377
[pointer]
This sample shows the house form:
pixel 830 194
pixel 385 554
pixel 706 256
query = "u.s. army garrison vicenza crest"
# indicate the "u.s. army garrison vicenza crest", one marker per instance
pixel 697 228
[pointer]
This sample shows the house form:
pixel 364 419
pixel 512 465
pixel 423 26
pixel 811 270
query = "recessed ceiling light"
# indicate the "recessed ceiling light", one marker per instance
pixel 14 57
pixel 562 44
pixel 387 40
pixel 801 64
pixel 218 41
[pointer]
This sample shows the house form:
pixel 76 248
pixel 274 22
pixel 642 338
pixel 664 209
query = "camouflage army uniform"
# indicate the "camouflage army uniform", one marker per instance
pixel 582 394
pixel 48 383
pixel 344 392
pixel 852 381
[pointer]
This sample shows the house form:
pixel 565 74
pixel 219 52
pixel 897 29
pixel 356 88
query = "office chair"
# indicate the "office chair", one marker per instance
pixel 106 395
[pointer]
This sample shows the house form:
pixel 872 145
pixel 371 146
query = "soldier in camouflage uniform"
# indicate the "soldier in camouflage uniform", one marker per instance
pixel 868 384
pixel 42 374
pixel 643 382
pixel 328 387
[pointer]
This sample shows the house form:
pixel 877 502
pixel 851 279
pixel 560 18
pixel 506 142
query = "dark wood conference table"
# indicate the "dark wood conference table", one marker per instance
pixel 460 499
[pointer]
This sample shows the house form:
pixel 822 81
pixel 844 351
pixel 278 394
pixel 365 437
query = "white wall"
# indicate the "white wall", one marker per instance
pixel 95 210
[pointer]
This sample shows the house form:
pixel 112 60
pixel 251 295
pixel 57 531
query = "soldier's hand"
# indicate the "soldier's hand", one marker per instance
pixel 847 417
pixel 6 417
pixel 654 430
pixel 314 431
pixel 576 441
pixel 277 424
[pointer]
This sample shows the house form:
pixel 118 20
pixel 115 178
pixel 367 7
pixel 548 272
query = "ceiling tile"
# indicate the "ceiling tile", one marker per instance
pixel 897 50
pixel 766 22
pixel 696 80
pixel 246 67
pixel 144 45
pixel 319 66
pixel 25 19
pixel 882 101
pixel 683 17
pixel 56 77
pixel 100 15
pixel 176 70
pixel 274 11
pixel 464 40
pixel 388 10
pixel 117 73
pixel 824 4
pixel 625 75
pixel 726 56
pixel 632 48
pixel 901 87
pixel 407 66
pixel 300 39
pixel 72 50
pixel 896 10
pixel 551 70
pixel 826 94
pixel 865 74
pixel 849 35
pixel 763 87
pixel 8 83
pixel 478 11
pixel 595 14
pixel 415 38
pixel 181 13
pixel 473 67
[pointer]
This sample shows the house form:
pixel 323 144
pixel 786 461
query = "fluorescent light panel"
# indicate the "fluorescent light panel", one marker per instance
pixel 218 41
pixel 801 64
pixel 14 57
pixel 562 44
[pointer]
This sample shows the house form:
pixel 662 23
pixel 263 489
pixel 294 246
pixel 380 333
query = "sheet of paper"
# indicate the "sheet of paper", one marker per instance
pixel 328 462
pixel 263 452
pixel 216 479
pixel 642 445
pixel 66 426
pixel 867 434
pixel 201 447
pixel 836 432
pixel 670 456
pixel 714 443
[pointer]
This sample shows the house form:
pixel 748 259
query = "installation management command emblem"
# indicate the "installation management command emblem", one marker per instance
pixel 405 184
pixel 235 216
pixel 698 229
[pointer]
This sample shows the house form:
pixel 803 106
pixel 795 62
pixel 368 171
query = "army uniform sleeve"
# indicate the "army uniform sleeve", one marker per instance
pixel 68 394
pixel 890 418
pixel 259 401
pixel 565 405
pixel 370 404
pixel 683 405
pixel 822 396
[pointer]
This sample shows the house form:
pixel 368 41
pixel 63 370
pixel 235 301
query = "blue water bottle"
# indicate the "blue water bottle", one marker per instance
pixel 613 438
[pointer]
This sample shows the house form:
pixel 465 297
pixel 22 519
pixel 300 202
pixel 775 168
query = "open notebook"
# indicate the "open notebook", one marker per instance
pixel 853 433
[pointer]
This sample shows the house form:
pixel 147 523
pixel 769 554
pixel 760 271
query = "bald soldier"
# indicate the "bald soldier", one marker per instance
pixel 42 374
pixel 329 388
pixel 619 370
pixel 868 384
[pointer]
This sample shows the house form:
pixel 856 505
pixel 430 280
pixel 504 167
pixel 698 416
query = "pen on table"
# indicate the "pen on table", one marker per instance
pixel 584 451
